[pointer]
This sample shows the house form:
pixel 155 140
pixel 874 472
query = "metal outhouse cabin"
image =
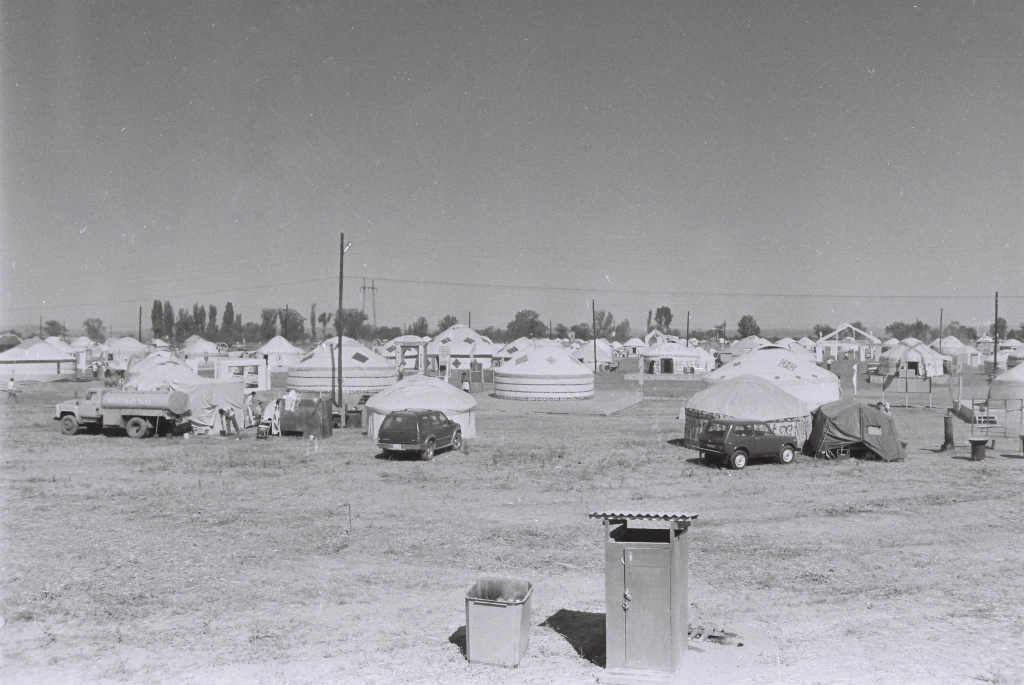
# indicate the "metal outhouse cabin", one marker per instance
pixel 647 608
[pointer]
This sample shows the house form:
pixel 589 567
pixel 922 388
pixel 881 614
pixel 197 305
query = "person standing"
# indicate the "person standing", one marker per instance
pixel 12 390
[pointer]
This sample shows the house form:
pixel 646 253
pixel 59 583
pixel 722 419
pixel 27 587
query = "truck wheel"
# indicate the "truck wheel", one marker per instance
pixel 786 454
pixel 137 428
pixel 68 425
pixel 738 459
pixel 428 453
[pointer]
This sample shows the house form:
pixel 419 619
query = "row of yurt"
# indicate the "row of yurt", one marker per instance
pixel 911 357
pixel 363 371
pixel 806 381
pixel 541 372
pixel 746 397
pixel 421 392
pixel 206 396
pixel 280 354
pixel 37 362
pixel 463 345
pixel 675 358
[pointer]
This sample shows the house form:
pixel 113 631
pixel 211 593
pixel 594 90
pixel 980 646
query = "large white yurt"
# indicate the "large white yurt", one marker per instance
pixel 464 344
pixel 1008 385
pixel 675 358
pixel 746 397
pixel 363 370
pixel 1010 344
pixel 201 349
pixel 421 392
pixel 912 355
pixel 280 354
pixel 40 362
pixel 543 373
pixel 806 381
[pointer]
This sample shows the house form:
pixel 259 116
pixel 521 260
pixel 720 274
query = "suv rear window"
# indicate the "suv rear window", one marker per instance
pixel 716 428
pixel 398 422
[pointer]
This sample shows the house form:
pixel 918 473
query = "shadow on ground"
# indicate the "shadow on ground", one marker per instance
pixel 583 630
pixel 458 638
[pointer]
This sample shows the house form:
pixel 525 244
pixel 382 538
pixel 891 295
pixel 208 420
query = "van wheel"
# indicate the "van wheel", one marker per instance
pixel 786 455
pixel 137 428
pixel 68 425
pixel 738 459
pixel 428 453
pixel 457 441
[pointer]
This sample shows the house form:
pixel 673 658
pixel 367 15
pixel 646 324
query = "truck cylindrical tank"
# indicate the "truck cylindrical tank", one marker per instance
pixel 170 400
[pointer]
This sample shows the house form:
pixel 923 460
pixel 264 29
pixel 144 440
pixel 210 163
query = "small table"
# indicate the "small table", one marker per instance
pixel 978 448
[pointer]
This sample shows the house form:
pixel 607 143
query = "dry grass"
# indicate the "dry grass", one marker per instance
pixel 172 560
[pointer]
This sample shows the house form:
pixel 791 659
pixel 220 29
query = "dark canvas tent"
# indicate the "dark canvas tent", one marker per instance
pixel 849 423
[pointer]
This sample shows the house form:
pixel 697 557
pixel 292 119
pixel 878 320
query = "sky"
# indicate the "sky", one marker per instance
pixel 801 162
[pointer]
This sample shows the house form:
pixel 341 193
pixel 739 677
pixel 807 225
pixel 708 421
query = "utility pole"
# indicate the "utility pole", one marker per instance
pixel 995 341
pixel 373 294
pixel 940 329
pixel 593 316
pixel 362 297
pixel 687 327
pixel 284 324
pixel 140 324
pixel 40 327
pixel 337 321
pixel 470 322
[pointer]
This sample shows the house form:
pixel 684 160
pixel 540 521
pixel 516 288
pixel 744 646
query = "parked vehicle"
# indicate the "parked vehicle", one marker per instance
pixel 735 441
pixel 418 430
pixel 139 413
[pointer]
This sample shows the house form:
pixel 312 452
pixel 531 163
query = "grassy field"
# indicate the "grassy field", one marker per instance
pixel 213 560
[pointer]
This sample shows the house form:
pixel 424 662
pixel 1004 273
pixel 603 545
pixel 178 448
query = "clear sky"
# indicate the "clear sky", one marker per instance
pixel 802 162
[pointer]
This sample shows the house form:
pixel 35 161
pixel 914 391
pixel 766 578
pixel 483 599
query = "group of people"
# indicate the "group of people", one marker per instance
pixel 256 414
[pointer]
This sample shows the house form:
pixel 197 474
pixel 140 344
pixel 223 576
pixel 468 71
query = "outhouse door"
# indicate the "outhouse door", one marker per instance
pixel 647 607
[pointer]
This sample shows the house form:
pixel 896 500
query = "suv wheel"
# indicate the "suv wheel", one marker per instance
pixel 738 459
pixel 457 441
pixel 786 454
pixel 68 425
pixel 428 452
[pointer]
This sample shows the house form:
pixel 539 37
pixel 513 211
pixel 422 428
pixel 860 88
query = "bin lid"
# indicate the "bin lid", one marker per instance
pixel 621 515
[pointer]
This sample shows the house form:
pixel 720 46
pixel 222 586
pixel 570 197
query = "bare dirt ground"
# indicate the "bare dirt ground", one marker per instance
pixel 224 561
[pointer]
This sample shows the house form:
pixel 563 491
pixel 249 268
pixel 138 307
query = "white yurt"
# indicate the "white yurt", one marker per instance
pixel 1008 385
pixel 890 343
pixel 280 354
pixel 57 343
pixel 914 356
pixel 159 344
pixel 949 345
pixel 806 343
pixel 421 392
pixel 463 344
pixel 82 343
pixel 985 344
pixel 192 340
pixel 969 356
pixel 363 370
pixel 201 349
pixel 40 362
pixel 206 396
pixel 804 380
pixel 123 349
pixel 513 348
pixel 746 397
pixel 585 352
pixel 796 348
pixel 676 359
pixel 745 345
pixel 8 340
pixel 634 345
pixel 1015 358
pixel 543 373
pixel 1010 344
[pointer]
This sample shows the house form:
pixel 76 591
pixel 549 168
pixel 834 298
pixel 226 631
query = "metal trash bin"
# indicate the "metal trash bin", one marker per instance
pixel 978 448
pixel 647 609
pixel 498 621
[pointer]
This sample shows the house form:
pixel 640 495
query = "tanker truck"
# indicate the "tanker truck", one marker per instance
pixel 140 413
